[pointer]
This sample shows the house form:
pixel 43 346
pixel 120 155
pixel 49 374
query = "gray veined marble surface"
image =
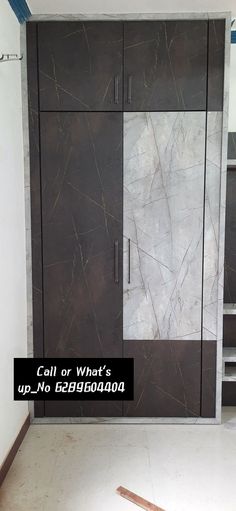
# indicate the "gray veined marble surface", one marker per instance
pixel 164 157
pixel 211 224
pixel 130 16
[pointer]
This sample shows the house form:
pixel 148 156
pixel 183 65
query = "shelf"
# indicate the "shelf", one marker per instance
pixel 230 374
pixel 229 371
pixel 231 163
pixel 229 355
pixel 229 308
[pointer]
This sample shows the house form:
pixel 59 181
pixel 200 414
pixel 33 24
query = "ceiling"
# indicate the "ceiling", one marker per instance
pixel 122 6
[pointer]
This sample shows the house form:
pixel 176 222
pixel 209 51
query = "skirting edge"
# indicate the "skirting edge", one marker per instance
pixel 13 451
pixel 127 420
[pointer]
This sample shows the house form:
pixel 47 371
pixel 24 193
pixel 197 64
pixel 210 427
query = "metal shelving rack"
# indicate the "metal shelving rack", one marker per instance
pixel 229 354
pixel 229 371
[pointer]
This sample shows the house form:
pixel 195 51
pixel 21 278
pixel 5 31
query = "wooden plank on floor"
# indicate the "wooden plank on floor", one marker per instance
pixel 139 501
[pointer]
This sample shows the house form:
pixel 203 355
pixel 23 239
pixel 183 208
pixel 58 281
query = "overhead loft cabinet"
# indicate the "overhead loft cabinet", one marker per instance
pixel 127 193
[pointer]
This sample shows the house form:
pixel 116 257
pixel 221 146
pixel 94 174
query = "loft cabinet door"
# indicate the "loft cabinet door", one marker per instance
pixel 164 167
pixel 81 158
pixel 165 65
pixel 80 66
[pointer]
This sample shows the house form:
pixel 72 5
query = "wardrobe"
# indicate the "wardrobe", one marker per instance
pixel 125 124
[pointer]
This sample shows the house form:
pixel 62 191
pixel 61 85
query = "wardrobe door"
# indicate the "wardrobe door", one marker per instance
pixel 164 166
pixel 81 159
pixel 167 378
pixel 165 66
pixel 80 65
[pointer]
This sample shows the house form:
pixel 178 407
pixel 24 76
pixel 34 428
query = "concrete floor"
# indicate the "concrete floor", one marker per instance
pixel 78 467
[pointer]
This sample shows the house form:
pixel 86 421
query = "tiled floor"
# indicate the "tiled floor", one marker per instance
pixel 78 467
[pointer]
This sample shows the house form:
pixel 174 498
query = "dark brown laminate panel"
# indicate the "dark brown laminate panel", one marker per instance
pixel 167 378
pixel 165 65
pixel 229 330
pixel 35 191
pixel 82 217
pixel 232 145
pixel 216 50
pixel 229 393
pixel 83 409
pixel 80 65
pixel 208 400
pixel 230 239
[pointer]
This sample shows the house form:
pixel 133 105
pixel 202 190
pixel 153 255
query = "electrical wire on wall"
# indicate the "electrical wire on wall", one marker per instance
pixel 21 9
pixel 233 32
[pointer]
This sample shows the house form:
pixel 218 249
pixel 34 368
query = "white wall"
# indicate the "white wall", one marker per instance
pixel 76 6
pixel 12 232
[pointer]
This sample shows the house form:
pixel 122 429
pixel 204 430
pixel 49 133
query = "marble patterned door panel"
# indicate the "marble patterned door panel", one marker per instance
pixel 164 160
pixel 165 65
pixel 211 226
pixel 81 166
pixel 80 65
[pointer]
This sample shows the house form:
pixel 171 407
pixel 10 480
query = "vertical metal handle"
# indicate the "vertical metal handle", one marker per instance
pixel 129 93
pixel 129 261
pixel 116 89
pixel 116 256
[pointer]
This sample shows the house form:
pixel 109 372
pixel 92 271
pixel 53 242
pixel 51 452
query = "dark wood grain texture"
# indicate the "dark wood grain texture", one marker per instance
pixel 216 51
pixel 230 240
pixel 166 378
pixel 35 192
pixel 82 217
pixel 208 389
pixel 229 393
pixel 83 409
pixel 80 65
pixel 232 145
pixel 165 66
pixel 229 330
